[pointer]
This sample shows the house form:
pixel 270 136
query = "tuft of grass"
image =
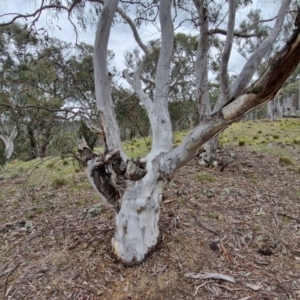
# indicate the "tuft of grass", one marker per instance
pixel 50 165
pixel 275 136
pixel 82 202
pixel 181 201
pixel 58 182
pixel 206 177
pixel 212 215
pixel 287 161
pixel 65 162
pixel 296 141
pixel 287 219
pixel 253 179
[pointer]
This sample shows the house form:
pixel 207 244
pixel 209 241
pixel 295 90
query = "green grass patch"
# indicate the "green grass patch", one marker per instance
pixel 204 177
pixel 58 182
pixel 212 215
pixel 260 136
pixel 287 161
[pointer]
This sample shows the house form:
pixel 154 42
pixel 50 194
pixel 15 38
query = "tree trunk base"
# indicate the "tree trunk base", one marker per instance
pixel 137 231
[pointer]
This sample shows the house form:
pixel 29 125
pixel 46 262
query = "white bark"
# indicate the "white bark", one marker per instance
pixel 227 50
pixel 288 106
pixel 112 137
pixel 271 107
pixel 162 127
pixel 279 107
pixel 202 95
pixel 9 143
pixel 137 231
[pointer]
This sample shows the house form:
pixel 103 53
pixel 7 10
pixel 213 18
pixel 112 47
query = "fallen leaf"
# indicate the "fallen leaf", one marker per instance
pixel 100 292
pixel 254 287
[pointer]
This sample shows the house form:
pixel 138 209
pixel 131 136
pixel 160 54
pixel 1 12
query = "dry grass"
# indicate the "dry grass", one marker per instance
pixel 248 230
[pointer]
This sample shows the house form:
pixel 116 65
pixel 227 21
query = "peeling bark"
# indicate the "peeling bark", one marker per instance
pixel 108 174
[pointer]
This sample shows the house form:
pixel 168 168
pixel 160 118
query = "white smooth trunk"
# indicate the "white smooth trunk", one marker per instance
pixel 9 143
pixel 271 109
pixel 137 230
pixel 288 106
pixel 102 78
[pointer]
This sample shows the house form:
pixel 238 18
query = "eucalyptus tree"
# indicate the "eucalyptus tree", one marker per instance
pixel 8 141
pixel 39 75
pixel 135 187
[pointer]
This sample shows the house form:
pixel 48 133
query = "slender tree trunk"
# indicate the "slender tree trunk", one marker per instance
pixel 271 109
pixel 43 151
pixel 9 143
pixel 33 144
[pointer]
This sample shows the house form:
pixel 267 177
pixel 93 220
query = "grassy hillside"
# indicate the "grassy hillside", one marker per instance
pixel 257 135
pixel 243 222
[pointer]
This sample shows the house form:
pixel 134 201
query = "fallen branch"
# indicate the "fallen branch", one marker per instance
pixel 210 276
pixel 202 225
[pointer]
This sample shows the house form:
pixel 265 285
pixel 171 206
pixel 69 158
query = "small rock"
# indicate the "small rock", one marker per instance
pixel 100 292
pixel 94 210
pixel 183 192
pixel 214 246
pixel 232 155
pixel 209 193
pixel 221 218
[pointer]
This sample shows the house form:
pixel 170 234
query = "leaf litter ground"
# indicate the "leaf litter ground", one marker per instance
pixel 243 222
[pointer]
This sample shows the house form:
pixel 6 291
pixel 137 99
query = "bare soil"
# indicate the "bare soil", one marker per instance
pixel 245 224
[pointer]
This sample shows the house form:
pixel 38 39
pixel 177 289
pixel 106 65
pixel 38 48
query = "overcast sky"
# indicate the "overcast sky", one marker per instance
pixel 121 38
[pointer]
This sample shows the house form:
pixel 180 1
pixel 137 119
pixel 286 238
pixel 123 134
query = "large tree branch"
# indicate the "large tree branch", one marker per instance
pixel 227 49
pixel 35 13
pixel 142 95
pixel 243 33
pixel 162 128
pixel 266 88
pixel 236 33
pixel 255 59
pixel 102 79
pixel 201 58
pixel 136 36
